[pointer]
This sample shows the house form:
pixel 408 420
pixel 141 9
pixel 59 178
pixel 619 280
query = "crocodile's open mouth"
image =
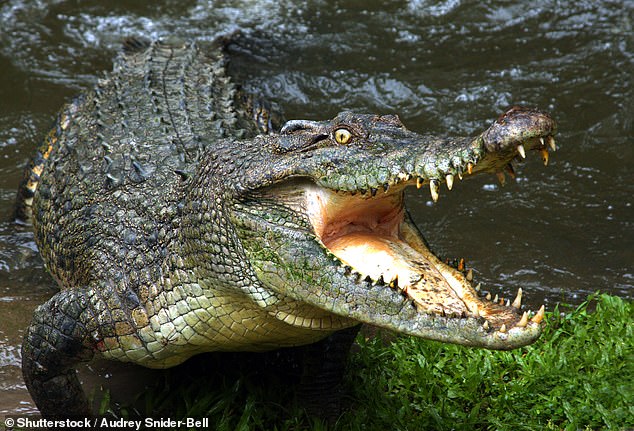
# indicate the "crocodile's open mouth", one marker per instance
pixel 375 238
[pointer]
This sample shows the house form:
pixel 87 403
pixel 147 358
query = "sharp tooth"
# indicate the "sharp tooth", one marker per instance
pixel 477 288
pixel 501 178
pixel 539 316
pixel 394 282
pixel 461 264
pixel 544 152
pixel 541 141
pixel 523 321
pixel 517 303
pixel 470 275
pixel 520 149
pixel 508 302
pixel 476 311
pixel 496 298
pixel 485 325
pixel 460 176
pixel 470 168
pixel 488 297
pixel 551 143
pixel 419 182
pixel 433 189
pixel 449 179
pixel 503 328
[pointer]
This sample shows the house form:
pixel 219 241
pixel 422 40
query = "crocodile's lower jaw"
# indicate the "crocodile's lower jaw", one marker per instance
pixel 374 237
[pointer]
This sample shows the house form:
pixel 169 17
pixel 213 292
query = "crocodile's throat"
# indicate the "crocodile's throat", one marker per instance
pixel 374 236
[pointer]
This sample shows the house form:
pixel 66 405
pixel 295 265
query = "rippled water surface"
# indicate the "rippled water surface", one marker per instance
pixel 446 67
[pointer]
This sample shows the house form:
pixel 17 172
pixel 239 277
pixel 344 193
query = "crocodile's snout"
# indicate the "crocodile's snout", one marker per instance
pixel 517 126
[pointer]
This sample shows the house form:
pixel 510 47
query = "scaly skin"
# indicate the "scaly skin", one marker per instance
pixel 173 228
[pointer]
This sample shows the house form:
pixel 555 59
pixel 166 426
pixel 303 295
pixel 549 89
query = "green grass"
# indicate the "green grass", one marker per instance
pixel 578 375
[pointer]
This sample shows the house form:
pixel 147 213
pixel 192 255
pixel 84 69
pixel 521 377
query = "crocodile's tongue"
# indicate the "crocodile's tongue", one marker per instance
pixel 396 261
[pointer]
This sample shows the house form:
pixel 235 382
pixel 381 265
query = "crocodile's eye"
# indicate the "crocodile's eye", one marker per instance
pixel 342 136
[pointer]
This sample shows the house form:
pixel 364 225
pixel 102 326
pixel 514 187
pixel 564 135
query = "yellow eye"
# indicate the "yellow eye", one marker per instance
pixel 342 136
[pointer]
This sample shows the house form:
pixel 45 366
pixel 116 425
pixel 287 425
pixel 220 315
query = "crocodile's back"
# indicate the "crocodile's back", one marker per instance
pixel 116 163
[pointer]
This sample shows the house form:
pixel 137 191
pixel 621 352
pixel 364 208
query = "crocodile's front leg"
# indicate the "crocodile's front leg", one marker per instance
pixel 55 342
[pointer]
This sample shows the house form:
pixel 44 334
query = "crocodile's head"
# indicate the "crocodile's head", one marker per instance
pixel 324 225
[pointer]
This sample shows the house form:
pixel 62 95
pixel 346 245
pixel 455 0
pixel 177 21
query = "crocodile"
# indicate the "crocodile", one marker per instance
pixel 180 214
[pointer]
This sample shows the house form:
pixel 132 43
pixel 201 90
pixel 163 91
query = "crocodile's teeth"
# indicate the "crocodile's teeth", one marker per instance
pixel 433 189
pixel 517 302
pixel 485 325
pixel 541 141
pixel 540 315
pixel 419 182
pixel 449 179
pixel 551 143
pixel 503 328
pixel 470 168
pixel 544 152
pixel 470 275
pixel 488 297
pixel 476 311
pixel 461 264
pixel 508 302
pixel 496 298
pixel 477 288
pixel 523 321
pixel 501 178
pixel 521 151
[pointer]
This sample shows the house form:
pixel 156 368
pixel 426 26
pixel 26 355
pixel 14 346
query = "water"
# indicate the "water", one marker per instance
pixel 446 67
